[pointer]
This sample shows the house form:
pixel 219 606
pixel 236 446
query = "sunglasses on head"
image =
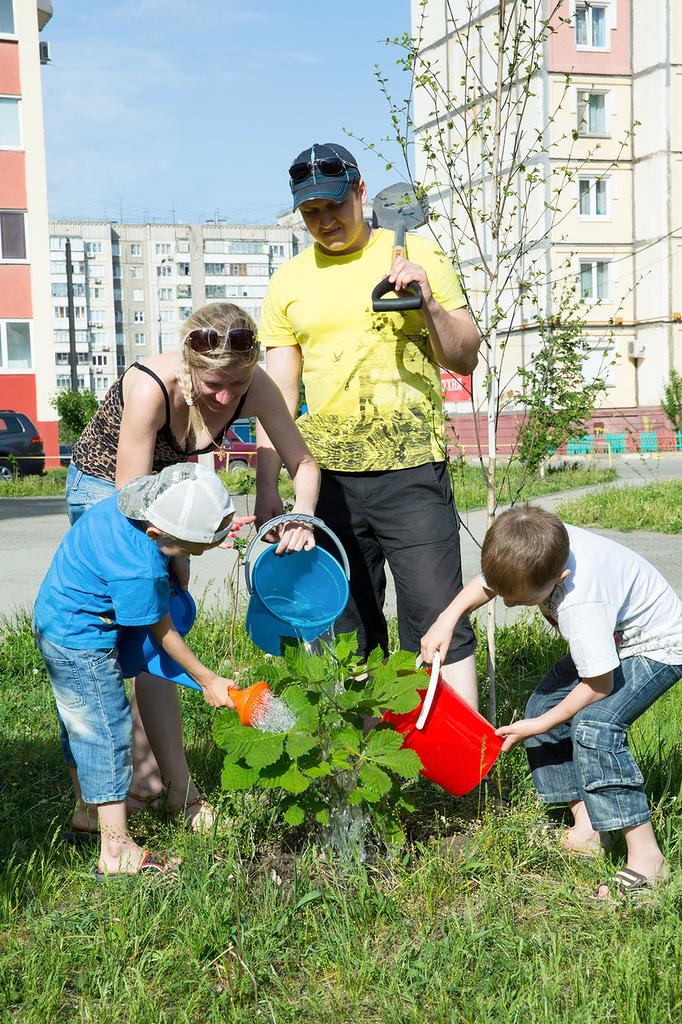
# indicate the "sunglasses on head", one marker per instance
pixel 328 167
pixel 237 339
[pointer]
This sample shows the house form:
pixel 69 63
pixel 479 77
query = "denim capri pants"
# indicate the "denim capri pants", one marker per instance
pixel 589 758
pixel 83 490
pixel 94 717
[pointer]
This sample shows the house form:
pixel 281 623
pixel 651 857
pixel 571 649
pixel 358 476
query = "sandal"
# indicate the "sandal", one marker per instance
pixel 152 864
pixel 627 884
pixel 197 814
pixel 151 802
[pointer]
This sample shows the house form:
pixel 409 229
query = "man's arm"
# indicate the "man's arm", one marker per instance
pixel 454 337
pixel 283 365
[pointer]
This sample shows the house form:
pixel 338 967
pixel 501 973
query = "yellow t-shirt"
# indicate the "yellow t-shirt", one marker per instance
pixel 372 390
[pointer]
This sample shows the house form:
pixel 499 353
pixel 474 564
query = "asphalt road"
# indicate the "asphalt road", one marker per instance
pixel 31 528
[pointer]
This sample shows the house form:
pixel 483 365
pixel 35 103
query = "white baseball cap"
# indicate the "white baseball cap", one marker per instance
pixel 187 501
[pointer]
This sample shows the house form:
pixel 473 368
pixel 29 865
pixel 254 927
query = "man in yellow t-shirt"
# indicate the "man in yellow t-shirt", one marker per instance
pixel 375 419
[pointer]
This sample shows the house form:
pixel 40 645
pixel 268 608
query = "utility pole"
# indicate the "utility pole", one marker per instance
pixel 73 355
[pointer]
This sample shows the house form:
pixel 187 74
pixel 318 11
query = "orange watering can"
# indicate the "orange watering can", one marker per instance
pixel 456 745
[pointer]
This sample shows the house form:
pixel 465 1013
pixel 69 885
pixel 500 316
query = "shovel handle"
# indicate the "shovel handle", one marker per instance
pixel 412 297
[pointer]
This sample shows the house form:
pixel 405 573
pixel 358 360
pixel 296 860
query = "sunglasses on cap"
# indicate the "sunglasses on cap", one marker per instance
pixel 237 339
pixel 328 167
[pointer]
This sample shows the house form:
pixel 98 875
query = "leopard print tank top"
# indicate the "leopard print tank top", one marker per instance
pixel 94 452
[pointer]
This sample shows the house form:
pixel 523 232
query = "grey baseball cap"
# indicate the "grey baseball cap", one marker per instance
pixel 325 170
pixel 187 501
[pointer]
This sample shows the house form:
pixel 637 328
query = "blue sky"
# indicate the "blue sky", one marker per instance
pixel 200 105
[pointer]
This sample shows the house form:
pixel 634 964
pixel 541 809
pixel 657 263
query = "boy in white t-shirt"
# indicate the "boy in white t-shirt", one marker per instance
pixel 623 624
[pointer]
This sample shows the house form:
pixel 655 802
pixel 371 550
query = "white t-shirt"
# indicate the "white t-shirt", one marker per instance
pixel 613 605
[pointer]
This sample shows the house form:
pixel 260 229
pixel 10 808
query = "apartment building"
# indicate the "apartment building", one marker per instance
pixel 26 360
pixel 606 98
pixel 135 284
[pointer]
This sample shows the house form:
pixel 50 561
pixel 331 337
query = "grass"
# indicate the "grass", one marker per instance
pixel 259 927
pixel 656 507
pixel 467 482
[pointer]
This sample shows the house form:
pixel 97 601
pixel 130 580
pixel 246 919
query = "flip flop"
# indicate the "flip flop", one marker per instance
pixel 152 864
pixel 628 884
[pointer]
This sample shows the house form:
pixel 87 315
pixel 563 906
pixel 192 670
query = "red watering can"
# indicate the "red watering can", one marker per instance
pixel 456 745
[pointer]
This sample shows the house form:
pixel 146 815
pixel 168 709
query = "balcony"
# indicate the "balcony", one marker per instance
pixel 44 13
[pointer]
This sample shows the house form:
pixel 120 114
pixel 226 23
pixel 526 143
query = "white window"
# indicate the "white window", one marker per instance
pixel 184 291
pixel 215 244
pixel 97 337
pixel 138 294
pixel 6 18
pixel 96 270
pixel 136 249
pixel 62 312
pixel 12 235
pixel 95 291
pixel 92 248
pixel 162 249
pixel 182 245
pixel 247 245
pixel 15 345
pixel 169 341
pixel 164 270
pixel 64 380
pixel 593 197
pixel 139 337
pixel 96 316
pixel 165 294
pixel 60 290
pixel 594 279
pixel 101 383
pixel 590 26
pixel 136 272
pixel 277 250
pixel 166 316
pixel 184 312
pixel 100 360
pixel 183 269
pixel 215 291
pixel 10 128
pixel 215 269
pixel 591 112
pixel 138 316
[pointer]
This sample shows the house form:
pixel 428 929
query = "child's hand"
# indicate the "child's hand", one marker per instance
pixel 217 692
pixel 437 639
pixel 518 731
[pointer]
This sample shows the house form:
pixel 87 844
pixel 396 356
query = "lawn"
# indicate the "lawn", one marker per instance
pixel 489 925
pixel 467 482
pixel 656 507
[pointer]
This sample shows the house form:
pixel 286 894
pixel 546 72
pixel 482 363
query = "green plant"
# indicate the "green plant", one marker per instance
pixel 326 763
pixel 671 403
pixel 75 409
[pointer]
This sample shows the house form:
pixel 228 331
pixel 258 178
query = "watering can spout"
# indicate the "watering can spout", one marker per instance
pixel 249 701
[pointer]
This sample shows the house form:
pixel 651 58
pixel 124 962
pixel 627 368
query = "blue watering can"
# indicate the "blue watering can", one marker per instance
pixel 138 651
pixel 299 595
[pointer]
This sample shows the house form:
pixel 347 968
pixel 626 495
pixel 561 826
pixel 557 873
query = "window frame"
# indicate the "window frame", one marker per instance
pixel 609 24
pixel 17 259
pixel 591 91
pixel 20 120
pixel 13 34
pixel 593 262
pixel 4 368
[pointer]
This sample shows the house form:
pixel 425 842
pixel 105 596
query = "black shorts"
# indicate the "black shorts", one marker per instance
pixel 406 517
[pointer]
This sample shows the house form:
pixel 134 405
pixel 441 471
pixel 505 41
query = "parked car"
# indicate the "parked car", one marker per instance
pixel 21 446
pixel 242 453
pixel 65 455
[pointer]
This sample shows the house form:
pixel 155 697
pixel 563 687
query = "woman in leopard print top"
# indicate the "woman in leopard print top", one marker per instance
pixel 160 413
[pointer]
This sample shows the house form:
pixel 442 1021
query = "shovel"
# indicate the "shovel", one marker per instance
pixel 398 208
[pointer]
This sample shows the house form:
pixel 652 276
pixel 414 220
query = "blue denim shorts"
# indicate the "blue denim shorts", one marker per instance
pixel 83 490
pixel 94 715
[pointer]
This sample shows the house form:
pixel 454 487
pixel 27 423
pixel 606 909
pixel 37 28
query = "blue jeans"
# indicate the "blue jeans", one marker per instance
pixel 588 758
pixel 82 491
pixel 94 717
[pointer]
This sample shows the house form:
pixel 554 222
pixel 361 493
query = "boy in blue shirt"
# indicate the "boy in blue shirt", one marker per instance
pixel 111 571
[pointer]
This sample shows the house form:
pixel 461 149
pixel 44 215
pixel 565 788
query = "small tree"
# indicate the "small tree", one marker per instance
pixel 671 403
pixel 500 172
pixel 75 409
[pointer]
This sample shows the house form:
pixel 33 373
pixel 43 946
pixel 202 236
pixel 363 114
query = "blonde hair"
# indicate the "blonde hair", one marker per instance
pixel 220 317
pixel 525 544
